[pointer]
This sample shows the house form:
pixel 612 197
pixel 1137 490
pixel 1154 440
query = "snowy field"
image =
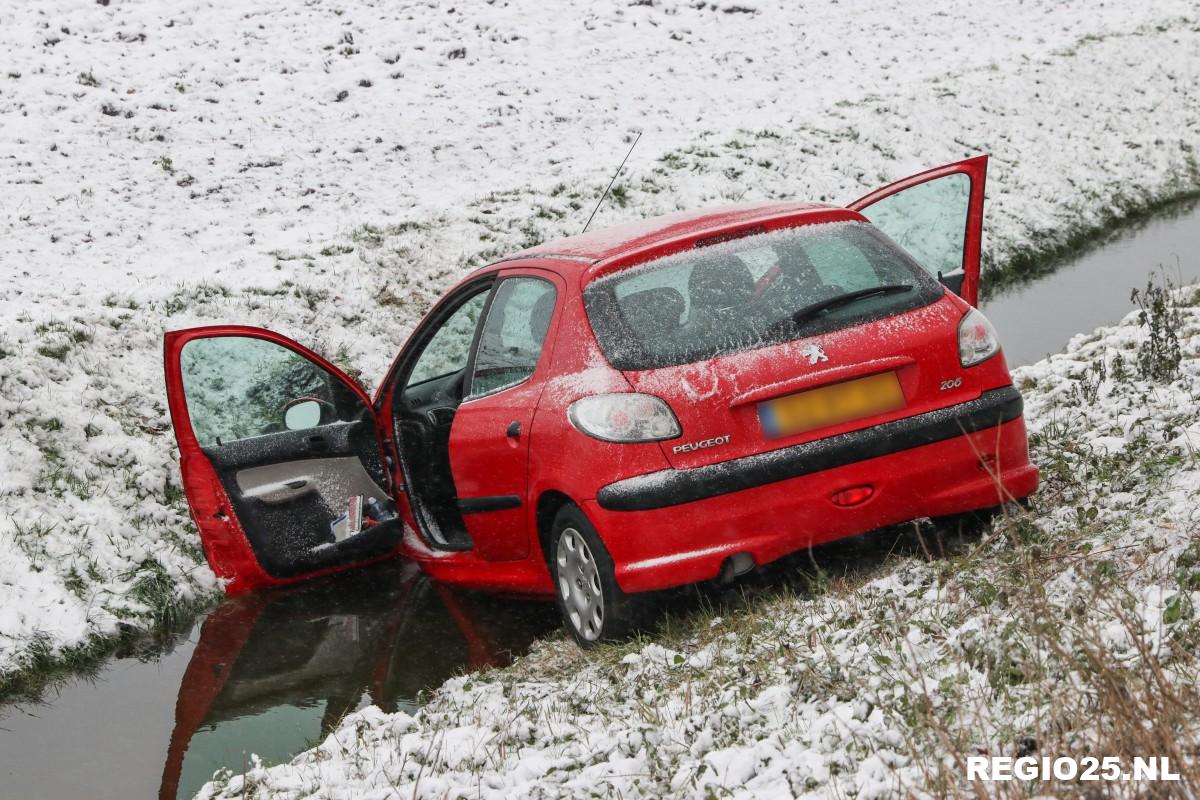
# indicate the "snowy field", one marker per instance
pixel 1067 627
pixel 325 169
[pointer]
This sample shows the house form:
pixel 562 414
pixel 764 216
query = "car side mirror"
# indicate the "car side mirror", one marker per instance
pixel 302 413
pixel 952 281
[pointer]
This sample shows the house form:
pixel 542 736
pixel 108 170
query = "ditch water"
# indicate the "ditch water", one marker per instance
pixel 1085 290
pixel 270 673
pixel 273 673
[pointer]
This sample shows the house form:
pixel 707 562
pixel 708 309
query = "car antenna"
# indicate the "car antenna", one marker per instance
pixel 610 183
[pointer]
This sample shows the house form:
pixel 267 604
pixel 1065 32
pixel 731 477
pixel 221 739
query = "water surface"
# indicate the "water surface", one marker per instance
pixel 1091 288
pixel 270 673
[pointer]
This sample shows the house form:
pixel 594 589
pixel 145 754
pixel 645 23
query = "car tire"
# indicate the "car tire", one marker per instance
pixel 592 605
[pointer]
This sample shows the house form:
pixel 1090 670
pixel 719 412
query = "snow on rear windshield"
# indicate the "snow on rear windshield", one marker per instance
pixel 746 293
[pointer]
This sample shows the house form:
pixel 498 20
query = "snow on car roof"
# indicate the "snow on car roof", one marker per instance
pixel 620 239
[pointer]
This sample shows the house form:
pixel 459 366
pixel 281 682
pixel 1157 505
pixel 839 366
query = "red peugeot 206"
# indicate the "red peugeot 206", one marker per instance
pixel 670 401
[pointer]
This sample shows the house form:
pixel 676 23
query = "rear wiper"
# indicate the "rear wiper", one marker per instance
pixel 810 311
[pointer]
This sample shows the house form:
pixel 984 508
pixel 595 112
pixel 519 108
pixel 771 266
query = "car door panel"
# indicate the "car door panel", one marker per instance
pixel 335 439
pixel 489 438
pixel 490 470
pixel 292 501
pixel 424 428
pixel 268 500
pixel 288 507
pixel 341 476
pixel 936 215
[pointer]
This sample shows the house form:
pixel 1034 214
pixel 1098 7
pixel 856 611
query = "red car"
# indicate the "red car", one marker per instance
pixel 670 401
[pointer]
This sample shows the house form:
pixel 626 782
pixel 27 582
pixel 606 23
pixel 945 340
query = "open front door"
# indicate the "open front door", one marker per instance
pixel 280 457
pixel 937 216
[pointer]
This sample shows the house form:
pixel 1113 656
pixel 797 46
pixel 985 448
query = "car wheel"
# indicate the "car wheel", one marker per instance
pixel 593 607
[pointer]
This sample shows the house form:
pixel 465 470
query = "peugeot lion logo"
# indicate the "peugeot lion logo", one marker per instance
pixel 814 353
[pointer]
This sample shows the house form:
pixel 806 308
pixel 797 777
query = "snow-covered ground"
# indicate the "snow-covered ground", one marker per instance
pixel 326 168
pixel 1069 630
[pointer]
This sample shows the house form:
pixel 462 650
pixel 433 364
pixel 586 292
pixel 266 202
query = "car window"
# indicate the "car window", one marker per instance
pixel 672 282
pixel 513 334
pixel 745 293
pixel 840 263
pixel 759 260
pixel 238 387
pixel 446 353
pixel 928 220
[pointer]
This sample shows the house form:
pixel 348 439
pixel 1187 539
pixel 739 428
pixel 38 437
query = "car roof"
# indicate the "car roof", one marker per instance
pixel 599 245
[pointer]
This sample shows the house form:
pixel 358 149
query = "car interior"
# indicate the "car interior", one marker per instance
pixel 694 307
pixel 423 412
pixel 433 375
pixel 654 313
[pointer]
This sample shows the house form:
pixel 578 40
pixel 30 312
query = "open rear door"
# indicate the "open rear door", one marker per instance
pixel 937 216
pixel 280 457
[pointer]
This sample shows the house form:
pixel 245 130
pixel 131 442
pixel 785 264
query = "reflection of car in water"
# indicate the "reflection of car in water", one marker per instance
pixel 676 400
pixel 275 671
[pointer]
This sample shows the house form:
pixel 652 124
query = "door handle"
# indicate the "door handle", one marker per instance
pixel 514 430
pixel 440 416
pixel 317 442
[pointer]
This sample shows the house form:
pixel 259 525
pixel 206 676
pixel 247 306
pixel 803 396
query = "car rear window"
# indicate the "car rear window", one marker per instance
pixel 752 292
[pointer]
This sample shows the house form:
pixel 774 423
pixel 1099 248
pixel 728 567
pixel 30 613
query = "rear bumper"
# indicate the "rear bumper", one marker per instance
pixel 684 541
pixel 671 487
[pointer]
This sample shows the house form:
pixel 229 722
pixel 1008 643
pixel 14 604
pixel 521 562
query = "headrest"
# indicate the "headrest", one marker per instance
pixel 720 283
pixel 539 316
pixel 653 312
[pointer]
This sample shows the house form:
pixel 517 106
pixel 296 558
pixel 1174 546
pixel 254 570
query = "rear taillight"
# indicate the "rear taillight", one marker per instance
pixel 977 340
pixel 624 417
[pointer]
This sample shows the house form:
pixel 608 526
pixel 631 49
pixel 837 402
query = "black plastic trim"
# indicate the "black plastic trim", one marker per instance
pixel 334 439
pixel 481 505
pixel 672 487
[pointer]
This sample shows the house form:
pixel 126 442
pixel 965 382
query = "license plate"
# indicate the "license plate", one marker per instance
pixel 831 405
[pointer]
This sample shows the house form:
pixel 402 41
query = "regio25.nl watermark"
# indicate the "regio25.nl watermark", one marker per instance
pixel 1066 768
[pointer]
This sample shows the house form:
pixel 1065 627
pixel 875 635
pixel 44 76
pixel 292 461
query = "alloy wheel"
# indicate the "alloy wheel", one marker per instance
pixel 579 585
